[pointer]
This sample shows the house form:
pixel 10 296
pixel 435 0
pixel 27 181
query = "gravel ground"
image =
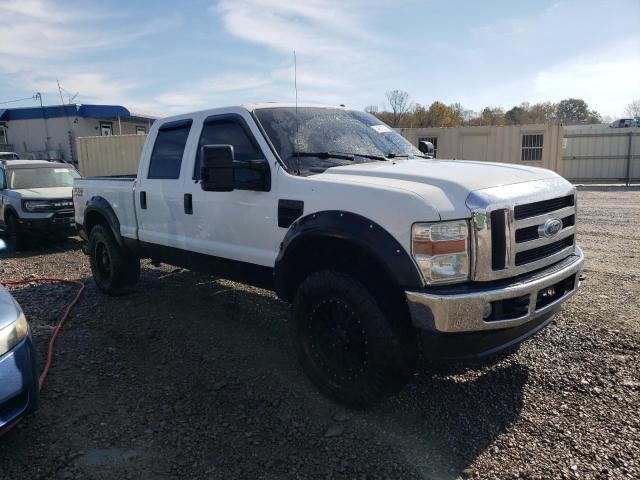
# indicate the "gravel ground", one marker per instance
pixel 193 377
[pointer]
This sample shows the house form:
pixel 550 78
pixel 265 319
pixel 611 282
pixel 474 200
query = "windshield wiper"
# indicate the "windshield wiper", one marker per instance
pixel 323 155
pixel 372 157
pixel 406 155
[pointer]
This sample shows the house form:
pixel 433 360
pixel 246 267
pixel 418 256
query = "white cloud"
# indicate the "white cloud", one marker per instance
pixel 334 50
pixel 607 78
pixel 42 42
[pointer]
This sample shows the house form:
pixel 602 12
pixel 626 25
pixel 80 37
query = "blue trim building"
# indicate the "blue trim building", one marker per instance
pixel 50 132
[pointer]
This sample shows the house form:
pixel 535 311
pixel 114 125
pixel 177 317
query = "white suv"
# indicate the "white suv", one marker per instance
pixel 35 195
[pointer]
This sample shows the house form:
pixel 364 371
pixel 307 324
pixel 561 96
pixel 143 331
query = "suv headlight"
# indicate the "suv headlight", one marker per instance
pixel 441 250
pixel 36 205
pixel 13 333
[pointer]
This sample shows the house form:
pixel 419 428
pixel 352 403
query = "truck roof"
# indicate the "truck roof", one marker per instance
pixel 246 106
pixel 33 163
pixel 257 106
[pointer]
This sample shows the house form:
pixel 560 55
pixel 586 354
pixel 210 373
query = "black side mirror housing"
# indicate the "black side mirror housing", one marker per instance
pixel 426 148
pixel 216 168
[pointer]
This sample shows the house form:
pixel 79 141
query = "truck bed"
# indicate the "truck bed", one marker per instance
pixel 117 191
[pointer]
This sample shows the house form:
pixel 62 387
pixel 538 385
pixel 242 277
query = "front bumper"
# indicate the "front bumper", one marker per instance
pixel 18 383
pixel 513 304
pixel 61 221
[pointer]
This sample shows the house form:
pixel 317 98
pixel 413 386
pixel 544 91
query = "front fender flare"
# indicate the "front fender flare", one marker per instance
pixel 353 228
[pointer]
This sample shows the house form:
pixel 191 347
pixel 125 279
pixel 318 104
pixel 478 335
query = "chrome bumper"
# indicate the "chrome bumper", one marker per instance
pixel 464 311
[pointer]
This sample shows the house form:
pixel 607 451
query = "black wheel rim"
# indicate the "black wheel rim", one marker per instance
pixel 337 342
pixel 103 261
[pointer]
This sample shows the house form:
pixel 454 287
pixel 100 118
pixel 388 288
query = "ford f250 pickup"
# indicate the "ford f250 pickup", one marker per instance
pixel 381 251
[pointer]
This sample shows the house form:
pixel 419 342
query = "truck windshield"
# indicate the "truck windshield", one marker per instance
pixel 23 178
pixel 314 139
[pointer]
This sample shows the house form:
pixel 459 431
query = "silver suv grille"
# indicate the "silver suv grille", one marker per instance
pixel 522 234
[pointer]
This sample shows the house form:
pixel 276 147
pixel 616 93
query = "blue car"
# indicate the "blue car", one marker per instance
pixel 18 375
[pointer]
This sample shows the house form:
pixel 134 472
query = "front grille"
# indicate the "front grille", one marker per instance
pixel 531 233
pixel 519 238
pixel 539 208
pixel 57 205
pixel 534 254
pixel 498 239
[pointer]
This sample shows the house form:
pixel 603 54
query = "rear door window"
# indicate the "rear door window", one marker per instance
pixel 166 157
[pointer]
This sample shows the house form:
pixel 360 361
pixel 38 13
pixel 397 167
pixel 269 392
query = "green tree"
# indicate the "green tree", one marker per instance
pixel 518 115
pixel 573 111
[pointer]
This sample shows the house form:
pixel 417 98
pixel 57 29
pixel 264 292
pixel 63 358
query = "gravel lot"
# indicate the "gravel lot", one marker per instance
pixel 193 377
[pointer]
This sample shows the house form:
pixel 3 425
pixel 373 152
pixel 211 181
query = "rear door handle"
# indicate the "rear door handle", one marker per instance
pixel 188 204
pixel 143 200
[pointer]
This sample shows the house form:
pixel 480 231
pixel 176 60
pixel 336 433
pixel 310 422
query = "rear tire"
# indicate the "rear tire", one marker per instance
pixel 350 348
pixel 115 270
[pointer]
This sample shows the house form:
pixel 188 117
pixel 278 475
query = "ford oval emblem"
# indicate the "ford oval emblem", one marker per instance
pixel 550 228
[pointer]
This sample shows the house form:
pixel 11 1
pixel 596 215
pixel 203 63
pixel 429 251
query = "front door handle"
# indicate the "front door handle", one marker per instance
pixel 188 204
pixel 143 200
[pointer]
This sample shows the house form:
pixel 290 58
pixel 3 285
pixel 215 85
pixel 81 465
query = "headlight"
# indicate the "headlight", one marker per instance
pixel 442 251
pixel 11 335
pixel 36 205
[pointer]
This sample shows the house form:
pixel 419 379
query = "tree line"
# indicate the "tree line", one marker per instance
pixel 401 112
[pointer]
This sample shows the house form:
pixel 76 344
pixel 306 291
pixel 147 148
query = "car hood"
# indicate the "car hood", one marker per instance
pixel 443 184
pixel 50 193
pixel 9 310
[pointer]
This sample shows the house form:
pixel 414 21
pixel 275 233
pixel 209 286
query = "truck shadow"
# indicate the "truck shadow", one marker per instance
pixel 222 349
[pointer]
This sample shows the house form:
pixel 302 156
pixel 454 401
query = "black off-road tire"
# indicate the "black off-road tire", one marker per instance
pixel 115 270
pixel 351 348
pixel 15 240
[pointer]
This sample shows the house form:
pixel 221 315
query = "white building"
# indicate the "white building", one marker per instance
pixel 50 132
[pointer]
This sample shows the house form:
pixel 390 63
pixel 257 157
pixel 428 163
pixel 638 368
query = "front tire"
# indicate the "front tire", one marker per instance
pixel 115 270
pixel 15 241
pixel 348 345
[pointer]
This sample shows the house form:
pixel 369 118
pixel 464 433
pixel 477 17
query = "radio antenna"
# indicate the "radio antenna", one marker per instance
pixel 295 87
pixel 295 78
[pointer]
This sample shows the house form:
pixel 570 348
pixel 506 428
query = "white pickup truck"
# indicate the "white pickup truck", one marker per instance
pixel 382 251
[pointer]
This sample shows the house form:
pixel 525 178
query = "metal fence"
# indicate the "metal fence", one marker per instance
pixel 579 153
pixel 109 155
pixel 600 153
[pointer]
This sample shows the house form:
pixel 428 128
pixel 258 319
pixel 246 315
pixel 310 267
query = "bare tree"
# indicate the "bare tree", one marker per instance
pixel 399 104
pixel 372 109
pixel 633 109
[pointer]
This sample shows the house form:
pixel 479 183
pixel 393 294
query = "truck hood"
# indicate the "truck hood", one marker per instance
pixel 49 193
pixel 443 184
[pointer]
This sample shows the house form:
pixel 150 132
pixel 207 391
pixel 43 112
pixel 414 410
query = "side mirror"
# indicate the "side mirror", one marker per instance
pixel 426 148
pixel 216 168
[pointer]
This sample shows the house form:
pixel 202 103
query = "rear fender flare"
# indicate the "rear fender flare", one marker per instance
pixel 102 207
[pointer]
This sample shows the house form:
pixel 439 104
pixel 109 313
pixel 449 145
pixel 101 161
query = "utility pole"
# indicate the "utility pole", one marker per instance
pixel 46 124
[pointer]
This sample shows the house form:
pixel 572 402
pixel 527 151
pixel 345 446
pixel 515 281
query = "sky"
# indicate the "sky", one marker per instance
pixel 167 57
